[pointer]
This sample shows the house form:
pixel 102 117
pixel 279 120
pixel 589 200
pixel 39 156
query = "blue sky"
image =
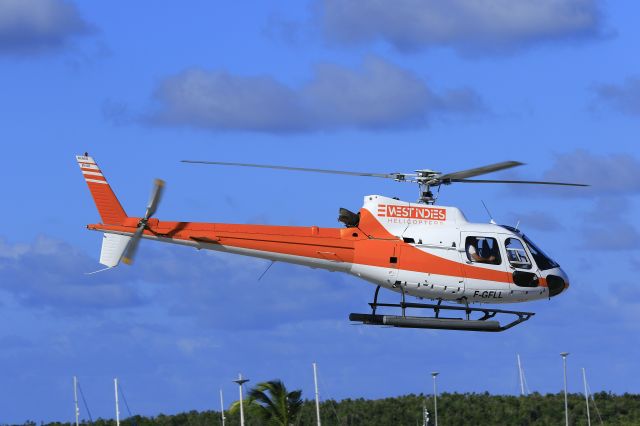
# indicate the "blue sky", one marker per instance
pixel 318 83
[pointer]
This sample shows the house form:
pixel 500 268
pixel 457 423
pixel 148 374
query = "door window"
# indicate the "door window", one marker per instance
pixel 483 250
pixel 516 254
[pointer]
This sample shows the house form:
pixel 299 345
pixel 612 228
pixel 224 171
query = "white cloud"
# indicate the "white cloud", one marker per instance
pixel 51 274
pixel 219 100
pixel 606 227
pixel 602 215
pixel 611 236
pixel 215 289
pixel 608 174
pixel 12 251
pixel 377 95
pixel 468 25
pixel 623 97
pixel 30 26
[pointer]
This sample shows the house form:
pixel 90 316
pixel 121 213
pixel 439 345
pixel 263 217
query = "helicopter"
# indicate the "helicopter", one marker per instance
pixel 419 249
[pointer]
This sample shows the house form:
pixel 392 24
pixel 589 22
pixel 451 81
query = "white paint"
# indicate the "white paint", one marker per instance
pixel 113 247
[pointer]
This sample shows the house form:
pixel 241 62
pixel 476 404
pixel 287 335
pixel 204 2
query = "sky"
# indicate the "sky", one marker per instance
pixel 318 83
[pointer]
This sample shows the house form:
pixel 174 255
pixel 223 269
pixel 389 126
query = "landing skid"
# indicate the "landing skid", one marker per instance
pixel 483 323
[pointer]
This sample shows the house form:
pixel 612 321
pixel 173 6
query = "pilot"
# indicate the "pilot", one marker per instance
pixel 474 253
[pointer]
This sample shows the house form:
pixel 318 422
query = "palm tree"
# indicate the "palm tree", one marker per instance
pixel 271 402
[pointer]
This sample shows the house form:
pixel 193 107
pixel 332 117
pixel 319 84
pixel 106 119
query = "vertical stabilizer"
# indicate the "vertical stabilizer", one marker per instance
pixel 109 208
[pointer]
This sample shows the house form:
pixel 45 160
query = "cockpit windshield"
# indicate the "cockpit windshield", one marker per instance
pixel 543 261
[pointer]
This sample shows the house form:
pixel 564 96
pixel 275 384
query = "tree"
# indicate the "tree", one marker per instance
pixel 271 402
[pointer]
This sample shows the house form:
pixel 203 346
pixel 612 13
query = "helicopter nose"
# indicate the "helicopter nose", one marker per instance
pixel 557 282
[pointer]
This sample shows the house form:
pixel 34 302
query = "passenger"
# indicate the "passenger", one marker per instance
pixel 473 253
pixel 494 254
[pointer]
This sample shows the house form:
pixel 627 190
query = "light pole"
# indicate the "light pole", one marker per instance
pixel 434 374
pixel 240 381
pixel 566 405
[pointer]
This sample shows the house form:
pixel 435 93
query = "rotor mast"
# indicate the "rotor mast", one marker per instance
pixel 425 180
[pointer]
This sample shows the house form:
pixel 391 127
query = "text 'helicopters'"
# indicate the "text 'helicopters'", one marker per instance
pixel 416 249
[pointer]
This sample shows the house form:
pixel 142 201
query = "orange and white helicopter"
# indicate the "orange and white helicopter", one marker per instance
pixel 412 248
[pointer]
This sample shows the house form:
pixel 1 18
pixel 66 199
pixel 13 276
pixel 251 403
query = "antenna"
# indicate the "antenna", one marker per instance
pixel 315 382
pixel 493 222
pixel 266 270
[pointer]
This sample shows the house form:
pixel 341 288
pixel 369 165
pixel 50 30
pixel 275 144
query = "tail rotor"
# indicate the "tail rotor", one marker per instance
pixel 152 206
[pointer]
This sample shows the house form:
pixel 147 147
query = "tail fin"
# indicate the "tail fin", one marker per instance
pixel 110 209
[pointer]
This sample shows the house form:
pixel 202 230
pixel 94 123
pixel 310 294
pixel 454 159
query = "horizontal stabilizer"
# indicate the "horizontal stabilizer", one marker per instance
pixel 113 247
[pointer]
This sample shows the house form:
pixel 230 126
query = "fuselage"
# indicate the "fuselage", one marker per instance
pixel 425 251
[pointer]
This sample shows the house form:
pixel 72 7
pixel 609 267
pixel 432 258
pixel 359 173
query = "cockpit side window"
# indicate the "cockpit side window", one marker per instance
pixel 516 254
pixel 483 250
pixel 543 261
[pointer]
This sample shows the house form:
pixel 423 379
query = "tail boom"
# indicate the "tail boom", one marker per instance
pixel 327 248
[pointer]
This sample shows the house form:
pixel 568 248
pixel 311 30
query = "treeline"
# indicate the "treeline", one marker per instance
pixel 454 409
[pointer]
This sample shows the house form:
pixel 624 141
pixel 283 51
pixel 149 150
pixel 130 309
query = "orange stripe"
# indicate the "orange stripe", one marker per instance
pixel 301 241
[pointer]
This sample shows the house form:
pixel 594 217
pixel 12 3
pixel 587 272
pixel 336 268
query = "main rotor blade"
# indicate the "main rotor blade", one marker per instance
pixel 132 247
pixel 154 200
pixel 463 174
pixel 302 169
pixel 530 182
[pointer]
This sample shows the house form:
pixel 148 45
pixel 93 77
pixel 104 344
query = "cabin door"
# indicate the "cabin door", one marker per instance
pixel 487 276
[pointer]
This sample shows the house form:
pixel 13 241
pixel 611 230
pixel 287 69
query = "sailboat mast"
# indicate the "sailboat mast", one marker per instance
pixel 222 408
pixel 115 387
pixel 586 395
pixel 315 383
pixel 520 375
pixel 75 399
